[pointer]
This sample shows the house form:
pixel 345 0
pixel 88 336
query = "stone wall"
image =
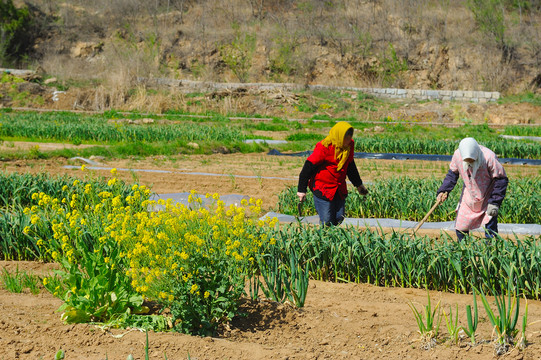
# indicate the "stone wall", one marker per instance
pixel 443 95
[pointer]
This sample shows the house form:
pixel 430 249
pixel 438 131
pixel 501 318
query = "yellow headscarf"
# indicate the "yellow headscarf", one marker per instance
pixel 336 139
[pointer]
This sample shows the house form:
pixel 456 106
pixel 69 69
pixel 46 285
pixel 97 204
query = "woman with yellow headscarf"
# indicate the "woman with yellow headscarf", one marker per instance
pixel 325 173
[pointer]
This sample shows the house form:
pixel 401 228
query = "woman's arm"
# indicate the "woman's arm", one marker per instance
pixel 353 174
pixel 308 170
pixel 498 193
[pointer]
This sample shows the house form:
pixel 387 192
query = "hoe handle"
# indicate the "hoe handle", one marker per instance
pixel 427 215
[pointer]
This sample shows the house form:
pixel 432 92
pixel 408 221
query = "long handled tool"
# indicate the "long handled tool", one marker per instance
pixel 426 216
pixel 299 208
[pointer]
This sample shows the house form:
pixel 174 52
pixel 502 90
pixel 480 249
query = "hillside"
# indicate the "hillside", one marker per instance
pixel 492 45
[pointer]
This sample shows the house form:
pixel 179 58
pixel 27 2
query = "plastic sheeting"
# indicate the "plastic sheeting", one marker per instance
pixel 525 229
pixel 516 137
pixel 396 156
pixel 88 161
pixel 182 198
pixel 265 141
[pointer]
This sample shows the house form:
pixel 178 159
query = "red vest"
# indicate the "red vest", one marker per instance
pixel 327 179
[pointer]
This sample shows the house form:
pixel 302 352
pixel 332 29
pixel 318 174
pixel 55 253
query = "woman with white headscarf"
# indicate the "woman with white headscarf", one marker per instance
pixel 485 184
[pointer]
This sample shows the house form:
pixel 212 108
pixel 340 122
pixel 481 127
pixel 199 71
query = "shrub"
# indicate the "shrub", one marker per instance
pixel 14 31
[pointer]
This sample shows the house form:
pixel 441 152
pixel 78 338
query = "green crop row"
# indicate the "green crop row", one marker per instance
pixel 351 255
pixel 16 189
pixel 78 128
pixel 410 199
pixel 523 130
pixel 504 148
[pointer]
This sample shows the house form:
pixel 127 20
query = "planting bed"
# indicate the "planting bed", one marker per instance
pixel 339 321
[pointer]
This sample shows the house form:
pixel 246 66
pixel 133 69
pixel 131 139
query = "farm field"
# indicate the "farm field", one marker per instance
pixel 361 312
pixel 339 321
pixel 149 160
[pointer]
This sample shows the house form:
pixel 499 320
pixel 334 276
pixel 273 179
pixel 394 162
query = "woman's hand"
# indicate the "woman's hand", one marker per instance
pixel 362 190
pixel 442 197
pixel 302 196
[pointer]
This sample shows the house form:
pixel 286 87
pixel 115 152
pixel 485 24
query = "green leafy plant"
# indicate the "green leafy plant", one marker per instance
pixel 237 55
pixel 522 342
pixel 19 281
pixel 452 325
pixel 60 354
pixel 505 319
pixel 472 321
pixel 427 322
pixel 285 277
pixel 94 284
pixel 14 31
pixel 390 67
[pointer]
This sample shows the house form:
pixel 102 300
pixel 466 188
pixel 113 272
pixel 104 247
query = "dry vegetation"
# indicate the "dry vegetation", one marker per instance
pixel 435 44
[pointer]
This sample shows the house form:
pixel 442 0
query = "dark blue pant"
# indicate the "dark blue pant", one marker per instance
pixel 491 229
pixel 330 212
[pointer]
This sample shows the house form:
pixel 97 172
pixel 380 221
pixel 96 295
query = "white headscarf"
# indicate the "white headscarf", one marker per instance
pixel 470 149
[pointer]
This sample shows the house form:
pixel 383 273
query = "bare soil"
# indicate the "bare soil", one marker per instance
pixel 339 321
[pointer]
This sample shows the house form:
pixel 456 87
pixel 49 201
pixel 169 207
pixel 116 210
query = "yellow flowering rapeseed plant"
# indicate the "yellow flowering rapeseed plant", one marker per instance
pixel 191 259
pixel 95 286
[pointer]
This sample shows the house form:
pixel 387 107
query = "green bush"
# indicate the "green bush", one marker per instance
pixel 14 31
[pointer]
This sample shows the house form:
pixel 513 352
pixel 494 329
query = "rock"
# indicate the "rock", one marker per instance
pixel 142 121
pixel 221 150
pixel 30 87
pixel 96 158
pixel 120 121
pixel 86 49
pixel 193 145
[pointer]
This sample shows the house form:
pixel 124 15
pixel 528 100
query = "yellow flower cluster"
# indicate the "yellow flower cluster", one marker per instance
pixel 162 248
pixel 168 246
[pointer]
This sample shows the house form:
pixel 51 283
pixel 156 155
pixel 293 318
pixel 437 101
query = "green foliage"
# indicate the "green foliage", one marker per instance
pixel 427 322
pixel 452 325
pixel 408 198
pixel 303 136
pixel 19 281
pixel 504 148
pixel 7 78
pixel 95 287
pixel 14 27
pixel 68 126
pixel 489 15
pixel 349 254
pixel 285 276
pixel 390 67
pixel 523 130
pixel 59 355
pixel 472 320
pixel 15 244
pixel 200 314
pixel 527 97
pixel 238 54
pixel 282 59
pixel 505 320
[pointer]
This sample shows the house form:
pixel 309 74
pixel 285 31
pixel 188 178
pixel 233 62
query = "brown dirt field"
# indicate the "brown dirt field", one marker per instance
pixel 13 146
pixel 339 321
